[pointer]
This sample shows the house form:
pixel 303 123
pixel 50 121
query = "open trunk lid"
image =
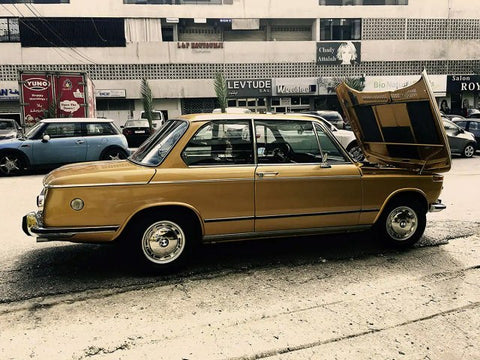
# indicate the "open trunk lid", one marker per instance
pixel 402 128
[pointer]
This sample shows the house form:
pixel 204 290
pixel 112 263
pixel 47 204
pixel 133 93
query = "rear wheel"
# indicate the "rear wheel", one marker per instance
pixel 11 164
pixel 113 154
pixel 468 151
pixel 402 223
pixel 161 242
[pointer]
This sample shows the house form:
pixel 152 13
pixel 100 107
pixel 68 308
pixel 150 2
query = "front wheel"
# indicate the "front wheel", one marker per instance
pixel 113 154
pixel 162 243
pixel 468 151
pixel 11 164
pixel 402 223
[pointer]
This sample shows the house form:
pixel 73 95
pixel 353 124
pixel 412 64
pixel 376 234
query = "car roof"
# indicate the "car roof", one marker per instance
pixel 80 120
pixel 255 116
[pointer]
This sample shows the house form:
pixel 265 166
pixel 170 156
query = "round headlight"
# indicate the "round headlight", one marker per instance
pixel 77 204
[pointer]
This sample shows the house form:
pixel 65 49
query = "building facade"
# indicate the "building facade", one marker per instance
pixel 277 56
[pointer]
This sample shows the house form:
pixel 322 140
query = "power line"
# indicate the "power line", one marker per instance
pixel 38 32
pixel 39 16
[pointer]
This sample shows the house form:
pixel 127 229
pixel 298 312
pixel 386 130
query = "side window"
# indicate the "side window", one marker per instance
pixel 474 126
pixel 462 124
pixel 286 141
pixel 220 143
pixel 98 129
pixel 329 148
pixel 61 130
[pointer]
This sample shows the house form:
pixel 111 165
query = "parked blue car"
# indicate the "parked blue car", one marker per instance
pixel 54 142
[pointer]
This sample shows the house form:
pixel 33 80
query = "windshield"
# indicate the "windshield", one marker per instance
pixel 33 130
pixel 153 151
pixel 137 123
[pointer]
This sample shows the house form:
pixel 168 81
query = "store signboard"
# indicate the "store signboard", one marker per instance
pixel 390 83
pixel 338 53
pixel 110 93
pixel 249 88
pixel 9 93
pixel 463 83
pixel 37 92
pixel 71 95
pixel 301 86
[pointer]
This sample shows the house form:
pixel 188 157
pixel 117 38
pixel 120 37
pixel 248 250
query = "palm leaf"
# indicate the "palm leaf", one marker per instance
pixel 221 90
pixel 147 101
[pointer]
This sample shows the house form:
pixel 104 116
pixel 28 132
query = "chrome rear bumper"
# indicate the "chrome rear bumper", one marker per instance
pixel 437 206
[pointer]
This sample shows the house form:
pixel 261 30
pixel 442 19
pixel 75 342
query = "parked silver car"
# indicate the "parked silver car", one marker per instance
pixel 461 142
pixel 9 129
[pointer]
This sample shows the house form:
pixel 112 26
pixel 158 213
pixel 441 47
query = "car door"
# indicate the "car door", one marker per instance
pixel 66 145
pixel 294 189
pixel 219 180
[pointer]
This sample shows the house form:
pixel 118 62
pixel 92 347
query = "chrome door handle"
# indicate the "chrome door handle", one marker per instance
pixel 267 174
pixel 79 141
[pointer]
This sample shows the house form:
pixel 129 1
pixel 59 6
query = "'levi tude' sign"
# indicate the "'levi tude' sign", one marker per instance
pixel 244 88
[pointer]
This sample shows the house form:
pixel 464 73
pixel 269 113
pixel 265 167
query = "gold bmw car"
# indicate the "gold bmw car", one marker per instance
pixel 208 178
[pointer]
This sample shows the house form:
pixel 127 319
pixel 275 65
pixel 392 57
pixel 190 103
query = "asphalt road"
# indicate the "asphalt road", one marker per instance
pixel 303 298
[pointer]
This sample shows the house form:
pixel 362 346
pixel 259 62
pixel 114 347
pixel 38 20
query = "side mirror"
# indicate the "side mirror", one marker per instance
pixel 122 126
pixel 46 138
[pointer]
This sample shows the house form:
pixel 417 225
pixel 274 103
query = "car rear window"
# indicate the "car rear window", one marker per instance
pixel 97 129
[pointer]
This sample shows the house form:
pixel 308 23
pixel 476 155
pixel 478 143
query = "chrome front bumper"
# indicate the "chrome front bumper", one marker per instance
pixel 437 206
pixel 32 225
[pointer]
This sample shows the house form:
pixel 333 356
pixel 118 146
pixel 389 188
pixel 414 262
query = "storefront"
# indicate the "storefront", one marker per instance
pixel 293 95
pixel 464 92
pixel 254 94
pixel 9 101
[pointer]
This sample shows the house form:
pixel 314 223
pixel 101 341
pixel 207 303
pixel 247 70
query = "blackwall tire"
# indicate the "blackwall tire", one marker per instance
pixel 402 223
pixel 11 164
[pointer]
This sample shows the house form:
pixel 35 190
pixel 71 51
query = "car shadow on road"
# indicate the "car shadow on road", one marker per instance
pixel 72 268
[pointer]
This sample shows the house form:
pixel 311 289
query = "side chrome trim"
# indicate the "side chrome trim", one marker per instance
pixel 332 177
pixel 281 216
pixel 95 185
pixel 240 218
pixel 73 230
pixel 201 181
pixel 283 233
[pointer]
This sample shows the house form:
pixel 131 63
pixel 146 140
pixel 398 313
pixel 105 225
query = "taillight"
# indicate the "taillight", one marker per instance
pixel 437 178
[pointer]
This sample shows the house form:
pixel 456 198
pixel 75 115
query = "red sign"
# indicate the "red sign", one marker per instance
pixel 37 95
pixel 70 96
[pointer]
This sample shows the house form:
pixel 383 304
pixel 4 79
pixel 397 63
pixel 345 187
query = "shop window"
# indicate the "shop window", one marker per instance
pixel 9 30
pixel 167 33
pixel 362 2
pixel 34 1
pixel 72 32
pixel 340 29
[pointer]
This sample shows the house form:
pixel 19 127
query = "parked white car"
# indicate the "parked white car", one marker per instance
pixel 345 137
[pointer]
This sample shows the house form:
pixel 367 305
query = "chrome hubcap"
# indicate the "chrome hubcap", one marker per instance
pixel 163 242
pixel 402 223
pixel 9 165
pixel 356 153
